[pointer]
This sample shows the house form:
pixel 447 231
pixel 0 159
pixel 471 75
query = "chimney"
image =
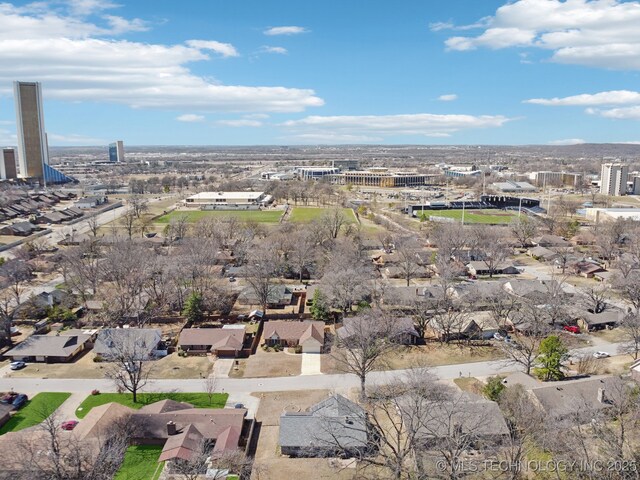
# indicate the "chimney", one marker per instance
pixel 601 396
pixel 171 428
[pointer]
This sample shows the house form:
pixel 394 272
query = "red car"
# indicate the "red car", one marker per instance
pixel 69 424
pixel 572 328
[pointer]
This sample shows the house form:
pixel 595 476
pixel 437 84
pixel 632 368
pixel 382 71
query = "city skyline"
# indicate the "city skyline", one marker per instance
pixel 523 72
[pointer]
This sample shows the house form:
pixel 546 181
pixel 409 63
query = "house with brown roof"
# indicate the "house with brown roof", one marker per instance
pixel 223 342
pixel 308 334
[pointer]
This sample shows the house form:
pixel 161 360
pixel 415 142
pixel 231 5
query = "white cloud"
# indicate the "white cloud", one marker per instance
pixel 224 49
pixel 425 124
pixel 76 61
pixel 288 30
pixel 89 7
pixel 331 138
pixel 190 118
pixel 599 33
pixel 623 113
pixel 244 122
pixel 256 116
pixel 449 97
pixel 121 25
pixel 74 139
pixel 278 50
pixel 613 97
pixel 568 141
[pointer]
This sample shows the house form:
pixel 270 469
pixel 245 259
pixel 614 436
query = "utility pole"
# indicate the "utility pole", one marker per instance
pixel 463 203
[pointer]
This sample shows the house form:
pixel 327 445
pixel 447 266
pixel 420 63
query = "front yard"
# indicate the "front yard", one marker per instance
pixel 35 411
pixel 198 400
pixel 268 364
pixel 171 366
pixel 141 463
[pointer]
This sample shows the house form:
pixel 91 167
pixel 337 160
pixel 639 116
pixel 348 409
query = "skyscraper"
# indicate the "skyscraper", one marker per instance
pixel 613 179
pixel 33 154
pixel 116 151
pixel 8 164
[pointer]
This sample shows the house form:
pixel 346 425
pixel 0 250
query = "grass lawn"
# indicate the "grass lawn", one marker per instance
pixel 198 400
pixel 140 463
pixel 308 214
pixel 490 217
pixel 35 411
pixel 268 216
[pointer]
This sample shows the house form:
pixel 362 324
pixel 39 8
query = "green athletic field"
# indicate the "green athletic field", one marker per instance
pixel 268 216
pixel 307 214
pixel 489 217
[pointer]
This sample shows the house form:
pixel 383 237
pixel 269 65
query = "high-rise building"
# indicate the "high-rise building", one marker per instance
pixel 613 179
pixel 8 164
pixel 116 151
pixel 32 143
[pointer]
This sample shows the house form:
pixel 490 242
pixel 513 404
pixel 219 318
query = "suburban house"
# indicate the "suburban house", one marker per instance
pixel 403 329
pixel 335 426
pixel 308 334
pixel 472 415
pixel 279 297
pixel 542 253
pixel 61 348
pixel 532 290
pixel 550 241
pixel 20 229
pixel 146 342
pixel 223 342
pixel 590 322
pixel 5 413
pixel 557 399
pixel 473 326
pixel 478 267
pixel 585 268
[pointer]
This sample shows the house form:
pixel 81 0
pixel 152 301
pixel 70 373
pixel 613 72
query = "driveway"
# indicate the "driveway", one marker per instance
pixel 310 364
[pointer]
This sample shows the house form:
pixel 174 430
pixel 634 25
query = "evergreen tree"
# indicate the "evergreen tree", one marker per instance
pixel 551 355
pixel 319 308
pixel 194 308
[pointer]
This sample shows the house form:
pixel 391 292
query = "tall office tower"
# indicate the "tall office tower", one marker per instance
pixel 32 143
pixel 116 151
pixel 8 164
pixel 613 179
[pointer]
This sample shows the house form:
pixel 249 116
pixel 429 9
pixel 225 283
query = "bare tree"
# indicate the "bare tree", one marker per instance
pixel 138 205
pixel 177 227
pixel 491 246
pixel 524 229
pixel 130 358
pixel 534 325
pixel 210 385
pixel 302 253
pixel 629 288
pixel 262 271
pixel 129 221
pixel 630 328
pixel 333 220
pixel 406 250
pixel 93 225
pixel 596 298
pixel 363 342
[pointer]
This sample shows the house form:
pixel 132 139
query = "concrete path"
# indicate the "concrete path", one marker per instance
pixel 221 367
pixel 67 411
pixel 310 364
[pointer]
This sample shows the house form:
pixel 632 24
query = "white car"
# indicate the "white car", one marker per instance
pixel 601 354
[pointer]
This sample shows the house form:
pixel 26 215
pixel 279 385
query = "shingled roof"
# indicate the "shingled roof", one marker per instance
pixel 294 331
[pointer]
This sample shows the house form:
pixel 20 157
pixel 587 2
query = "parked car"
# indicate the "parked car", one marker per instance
pixel 69 424
pixel 601 354
pixel 571 329
pixel 497 336
pixel 20 401
pixel 17 365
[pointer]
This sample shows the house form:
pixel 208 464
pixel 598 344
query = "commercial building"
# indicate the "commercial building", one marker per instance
pixel 510 186
pixel 8 164
pixel 611 214
pixel 461 170
pixel 33 151
pixel 547 178
pixel 116 152
pixel 32 142
pixel 382 178
pixel 314 173
pixel 228 200
pixel 613 179
pixel 346 164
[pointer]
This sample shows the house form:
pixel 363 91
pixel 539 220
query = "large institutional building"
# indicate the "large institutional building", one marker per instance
pixel 116 152
pixel 33 154
pixel 228 200
pixel 8 164
pixel 613 179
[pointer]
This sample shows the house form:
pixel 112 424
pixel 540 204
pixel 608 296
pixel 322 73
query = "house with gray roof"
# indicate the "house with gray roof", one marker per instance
pixel 334 427
pixel 279 296
pixel 145 342
pixel 51 348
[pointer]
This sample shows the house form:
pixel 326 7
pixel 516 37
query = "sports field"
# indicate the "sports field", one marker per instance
pixel 308 214
pixel 489 217
pixel 268 216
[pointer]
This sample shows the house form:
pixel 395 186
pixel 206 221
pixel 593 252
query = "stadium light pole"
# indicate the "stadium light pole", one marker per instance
pixel 520 207
pixel 463 212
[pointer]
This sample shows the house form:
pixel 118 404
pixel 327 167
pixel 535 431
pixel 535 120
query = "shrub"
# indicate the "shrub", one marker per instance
pixel 98 359
pixel 95 391
pixel 493 388
pixel 298 349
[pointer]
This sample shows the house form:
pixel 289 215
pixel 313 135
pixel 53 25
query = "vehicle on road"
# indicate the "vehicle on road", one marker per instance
pixel 601 354
pixel 20 401
pixel 17 365
pixel 69 424
pixel 571 329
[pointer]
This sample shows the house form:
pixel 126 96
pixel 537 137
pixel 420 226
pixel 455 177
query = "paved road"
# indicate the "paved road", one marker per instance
pixel 248 385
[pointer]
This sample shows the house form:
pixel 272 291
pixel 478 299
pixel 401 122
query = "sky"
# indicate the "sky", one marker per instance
pixel 291 72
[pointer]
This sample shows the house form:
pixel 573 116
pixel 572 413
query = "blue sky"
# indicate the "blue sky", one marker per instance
pixel 331 72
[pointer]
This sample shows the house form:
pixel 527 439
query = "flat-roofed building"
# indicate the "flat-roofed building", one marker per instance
pixel 613 179
pixel 8 164
pixel 547 178
pixel 32 143
pixel 382 178
pixel 116 152
pixel 314 173
pixel 227 200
